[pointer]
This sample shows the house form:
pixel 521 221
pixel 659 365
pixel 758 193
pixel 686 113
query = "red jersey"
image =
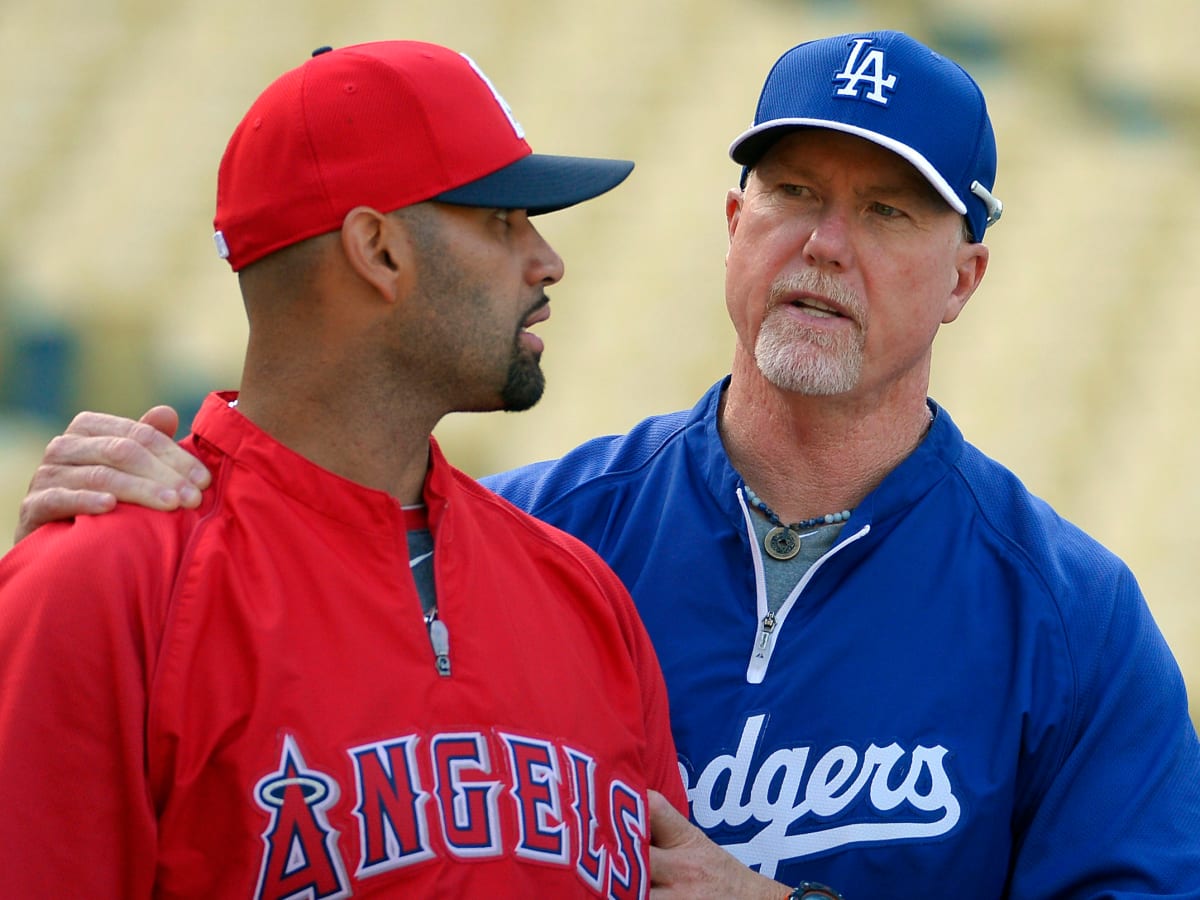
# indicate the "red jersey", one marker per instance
pixel 242 700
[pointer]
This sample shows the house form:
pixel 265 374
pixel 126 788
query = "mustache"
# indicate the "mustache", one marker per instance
pixel 543 300
pixel 530 312
pixel 822 284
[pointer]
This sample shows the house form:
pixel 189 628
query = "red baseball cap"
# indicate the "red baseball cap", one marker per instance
pixel 385 125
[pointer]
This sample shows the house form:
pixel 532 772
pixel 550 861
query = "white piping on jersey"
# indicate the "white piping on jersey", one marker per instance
pixel 769 625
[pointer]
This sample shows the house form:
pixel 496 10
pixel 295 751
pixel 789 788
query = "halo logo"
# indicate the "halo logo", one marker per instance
pixel 297 799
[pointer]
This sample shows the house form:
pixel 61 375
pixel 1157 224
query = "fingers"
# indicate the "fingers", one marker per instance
pixel 144 450
pixel 162 418
pixel 671 865
pixel 684 862
pixel 667 827
pixel 101 459
pixel 53 504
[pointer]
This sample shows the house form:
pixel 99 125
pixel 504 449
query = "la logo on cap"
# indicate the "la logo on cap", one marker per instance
pixel 868 67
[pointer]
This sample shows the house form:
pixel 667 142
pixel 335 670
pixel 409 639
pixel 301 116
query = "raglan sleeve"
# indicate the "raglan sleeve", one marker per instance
pixel 1119 814
pixel 74 658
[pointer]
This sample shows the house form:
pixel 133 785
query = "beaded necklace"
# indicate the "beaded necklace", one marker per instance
pixel 783 541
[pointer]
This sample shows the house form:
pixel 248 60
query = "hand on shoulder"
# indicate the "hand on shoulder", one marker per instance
pixel 102 459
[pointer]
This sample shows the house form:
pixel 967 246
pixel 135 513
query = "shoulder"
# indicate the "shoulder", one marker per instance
pixel 608 465
pixel 1029 531
pixel 610 458
pixel 996 538
pixel 97 590
pixel 491 511
pixel 1056 572
pixel 1086 635
pixel 1000 522
pixel 130 555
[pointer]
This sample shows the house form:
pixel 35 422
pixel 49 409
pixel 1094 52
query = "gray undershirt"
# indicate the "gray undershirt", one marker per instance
pixel 783 575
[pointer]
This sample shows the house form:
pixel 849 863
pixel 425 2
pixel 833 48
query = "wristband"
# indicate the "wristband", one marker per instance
pixel 810 890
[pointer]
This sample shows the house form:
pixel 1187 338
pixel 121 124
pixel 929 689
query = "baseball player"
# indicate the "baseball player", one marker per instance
pixel 351 671
pixel 929 683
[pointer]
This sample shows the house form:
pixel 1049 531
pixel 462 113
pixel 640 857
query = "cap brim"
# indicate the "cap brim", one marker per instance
pixel 750 145
pixel 540 184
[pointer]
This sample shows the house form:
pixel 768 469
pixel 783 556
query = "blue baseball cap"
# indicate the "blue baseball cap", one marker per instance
pixel 890 89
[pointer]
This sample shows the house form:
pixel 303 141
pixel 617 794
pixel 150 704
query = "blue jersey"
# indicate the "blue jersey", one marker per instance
pixel 966 697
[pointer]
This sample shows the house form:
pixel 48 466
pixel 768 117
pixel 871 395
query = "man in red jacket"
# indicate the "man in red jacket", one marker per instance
pixel 351 670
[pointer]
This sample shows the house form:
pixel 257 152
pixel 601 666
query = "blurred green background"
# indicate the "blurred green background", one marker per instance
pixel 1075 364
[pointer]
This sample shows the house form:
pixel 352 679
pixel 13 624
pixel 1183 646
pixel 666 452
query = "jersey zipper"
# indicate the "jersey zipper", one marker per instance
pixel 439 640
pixel 764 631
pixel 767 632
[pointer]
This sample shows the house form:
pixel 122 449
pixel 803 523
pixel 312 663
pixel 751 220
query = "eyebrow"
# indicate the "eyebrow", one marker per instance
pixel 915 188
pixel 922 192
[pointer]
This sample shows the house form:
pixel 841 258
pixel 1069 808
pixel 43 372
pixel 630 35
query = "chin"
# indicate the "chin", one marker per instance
pixel 814 376
pixel 520 402
pixel 524 386
pixel 793 364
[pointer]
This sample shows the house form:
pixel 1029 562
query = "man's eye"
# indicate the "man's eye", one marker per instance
pixel 797 190
pixel 884 210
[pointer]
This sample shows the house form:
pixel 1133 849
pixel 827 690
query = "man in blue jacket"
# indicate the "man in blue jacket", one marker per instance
pixel 891 668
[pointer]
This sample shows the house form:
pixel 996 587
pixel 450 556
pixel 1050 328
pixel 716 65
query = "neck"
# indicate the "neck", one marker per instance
pixel 808 456
pixel 370 440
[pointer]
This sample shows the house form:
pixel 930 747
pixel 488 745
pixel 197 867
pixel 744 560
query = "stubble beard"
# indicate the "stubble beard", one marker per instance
pixel 524 381
pixel 808 360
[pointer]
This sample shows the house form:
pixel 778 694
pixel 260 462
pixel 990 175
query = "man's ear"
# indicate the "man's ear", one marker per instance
pixel 376 247
pixel 969 270
pixel 733 213
pixel 733 209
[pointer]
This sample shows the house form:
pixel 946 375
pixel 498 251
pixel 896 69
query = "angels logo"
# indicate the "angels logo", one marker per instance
pixel 865 67
pixel 301 858
pixel 486 795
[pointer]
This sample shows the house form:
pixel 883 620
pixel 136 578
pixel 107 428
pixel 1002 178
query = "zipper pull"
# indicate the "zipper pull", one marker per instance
pixel 768 625
pixel 439 639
